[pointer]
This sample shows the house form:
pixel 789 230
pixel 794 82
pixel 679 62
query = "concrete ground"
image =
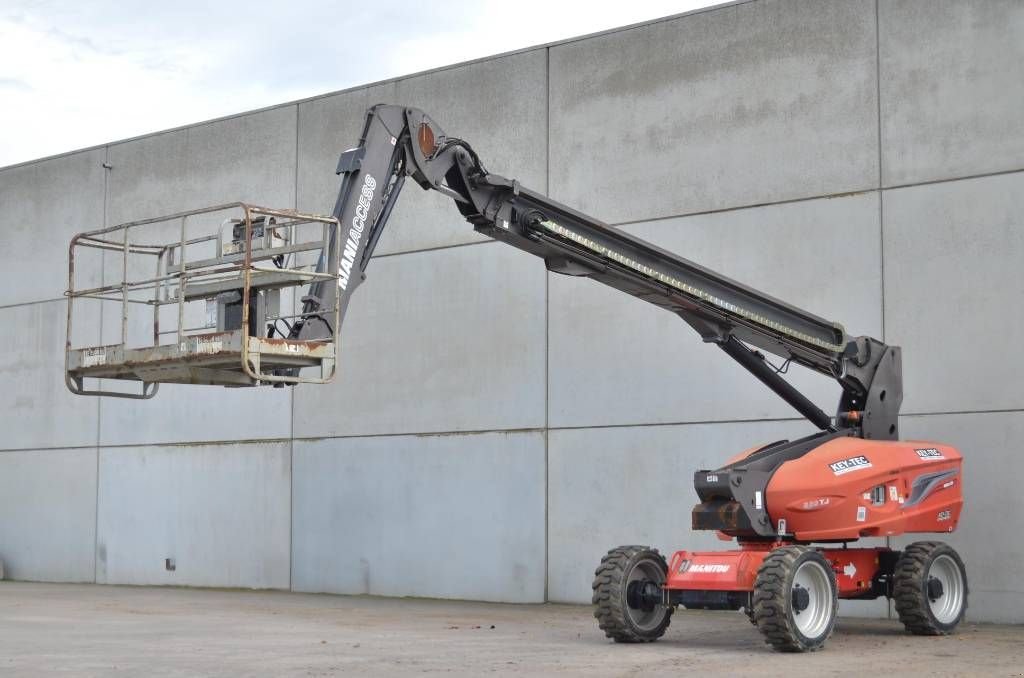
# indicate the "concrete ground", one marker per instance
pixel 87 630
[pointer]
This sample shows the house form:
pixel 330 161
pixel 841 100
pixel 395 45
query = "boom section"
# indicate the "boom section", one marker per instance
pixel 399 142
pixel 373 173
pixel 718 307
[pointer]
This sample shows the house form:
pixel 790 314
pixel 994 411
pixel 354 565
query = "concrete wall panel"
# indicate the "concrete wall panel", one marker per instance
pixel 221 511
pixel 633 485
pixel 48 509
pixel 327 126
pixel 36 408
pixel 953 285
pixel 448 340
pixel 183 413
pixel 250 158
pixel 951 88
pixel 41 206
pixel 498 105
pixel 617 360
pixel 993 516
pixel 745 104
pixel 456 516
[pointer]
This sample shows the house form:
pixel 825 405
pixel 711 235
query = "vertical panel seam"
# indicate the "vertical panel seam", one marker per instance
pixel 99 401
pixel 881 196
pixel 291 492
pixel 291 504
pixel 295 174
pixel 881 212
pixel 547 324
pixel 291 395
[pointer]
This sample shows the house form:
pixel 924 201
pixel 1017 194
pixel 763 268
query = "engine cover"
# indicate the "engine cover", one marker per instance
pixel 849 488
pixel 832 487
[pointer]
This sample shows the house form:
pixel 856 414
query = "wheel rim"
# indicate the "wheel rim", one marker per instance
pixel 946 607
pixel 813 620
pixel 646 570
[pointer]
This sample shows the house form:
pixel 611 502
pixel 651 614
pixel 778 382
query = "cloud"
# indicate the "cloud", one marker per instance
pixel 76 74
pixel 15 84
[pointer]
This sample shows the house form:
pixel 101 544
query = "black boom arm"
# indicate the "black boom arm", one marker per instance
pixel 398 142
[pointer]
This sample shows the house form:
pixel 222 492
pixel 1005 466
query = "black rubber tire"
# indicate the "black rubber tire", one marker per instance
pixel 610 584
pixel 773 599
pixel 910 588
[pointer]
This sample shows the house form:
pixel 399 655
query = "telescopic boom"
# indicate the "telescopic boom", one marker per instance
pixel 399 142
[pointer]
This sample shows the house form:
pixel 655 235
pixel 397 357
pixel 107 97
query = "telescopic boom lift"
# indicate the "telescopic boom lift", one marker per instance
pixel 852 479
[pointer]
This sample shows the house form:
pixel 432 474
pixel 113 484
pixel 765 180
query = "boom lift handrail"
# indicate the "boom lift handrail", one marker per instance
pixel 397 142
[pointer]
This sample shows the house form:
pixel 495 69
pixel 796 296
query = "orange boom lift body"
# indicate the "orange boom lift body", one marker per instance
pixel 793 507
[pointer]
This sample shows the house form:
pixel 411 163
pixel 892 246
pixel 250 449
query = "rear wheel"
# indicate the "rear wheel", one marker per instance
pixel 930 588
pixel 795 599
pixel 627 595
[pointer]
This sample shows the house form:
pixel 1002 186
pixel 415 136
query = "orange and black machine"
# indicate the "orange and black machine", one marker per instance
pixel 792 507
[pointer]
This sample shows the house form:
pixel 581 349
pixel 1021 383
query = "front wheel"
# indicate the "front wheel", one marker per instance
pixel 930 588
pixel 795 599
pixel 627 595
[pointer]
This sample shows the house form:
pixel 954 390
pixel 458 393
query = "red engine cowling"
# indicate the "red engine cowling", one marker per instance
pixel 849 488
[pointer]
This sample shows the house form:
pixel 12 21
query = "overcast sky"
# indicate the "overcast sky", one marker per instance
pixel 77 74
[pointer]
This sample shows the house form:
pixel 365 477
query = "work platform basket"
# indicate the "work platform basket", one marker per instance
pixel 207 296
